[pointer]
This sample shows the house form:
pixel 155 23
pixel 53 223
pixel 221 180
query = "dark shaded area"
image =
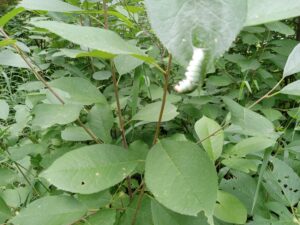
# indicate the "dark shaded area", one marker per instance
pixel 5 4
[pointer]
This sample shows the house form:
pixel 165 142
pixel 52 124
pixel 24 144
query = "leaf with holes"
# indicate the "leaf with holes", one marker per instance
pixel 182 177
pixel 91 169
pixel 282 183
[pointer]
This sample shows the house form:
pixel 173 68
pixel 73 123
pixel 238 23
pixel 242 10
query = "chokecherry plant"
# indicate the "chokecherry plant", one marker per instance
pixel 92 131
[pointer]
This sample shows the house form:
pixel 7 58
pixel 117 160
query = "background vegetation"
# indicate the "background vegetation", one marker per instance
pixel 92 132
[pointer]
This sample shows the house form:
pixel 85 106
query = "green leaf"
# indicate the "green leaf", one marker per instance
pixel 213 23
pixel 51 210
pixel 249 122
pixel 213 145
pixel 126 63
pixel 164 216
pixel 265 11
pixel 103 217
pixel 8 16
pixel 144 214
pixel 49 5
pixel 79 90
pixel 102 75
pixel 73 133
pixel 91 37
pixel 4 211
pixel 182 177
pixel 292 89
pixel 241 164
pixel 282 183
pixel 230 209
pixel 151 112
pixel 20 152
pixel 4 110
pixel 280 27
pixel 6 42
pixel 243 186
pixel 97 200
pixel 47 115
pixel 100 120
pixel 292 65
pixel 90 169
pixel 9 58
pixel 250 145
pixel 8 176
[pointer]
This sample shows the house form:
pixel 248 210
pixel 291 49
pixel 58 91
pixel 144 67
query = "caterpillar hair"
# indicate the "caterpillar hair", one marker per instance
pixel 193 72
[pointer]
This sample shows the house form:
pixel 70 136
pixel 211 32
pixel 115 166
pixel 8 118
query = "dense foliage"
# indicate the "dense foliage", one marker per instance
pixel 93 133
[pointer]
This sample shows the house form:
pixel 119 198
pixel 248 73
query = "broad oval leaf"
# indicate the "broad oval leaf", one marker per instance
pixel 164 216
pixel 250 145
pixel 215 24
pixel 103 217
pixel 91 169
pixel 91 37
pixel 47 115
pixel 265 11
pixel 5 212
pixel 100 120
pixel 249 122
pixel 51 210
pixel 212 135
pixel 282 183
pixel 4 110
pixel 292 65
pixel 150 112
pixel 292 89
pixel 79 90
pixel 9 58
pixel 49 5
pixel 230 209
pixel 182 177
pixel 73 133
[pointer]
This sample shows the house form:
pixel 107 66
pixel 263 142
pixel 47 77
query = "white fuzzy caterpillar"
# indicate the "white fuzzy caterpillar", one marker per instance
pixel 193 72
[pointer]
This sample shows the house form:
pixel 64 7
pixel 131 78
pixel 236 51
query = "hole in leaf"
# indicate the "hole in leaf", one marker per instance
pixel 285 185
pixel 296 190
pixel 287 177
pixel 290 189
pixel 218 202
pixel 233 188
pixel 82 183
pixel 279 181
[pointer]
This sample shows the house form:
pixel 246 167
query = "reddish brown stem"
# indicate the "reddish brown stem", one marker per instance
pixel 164 99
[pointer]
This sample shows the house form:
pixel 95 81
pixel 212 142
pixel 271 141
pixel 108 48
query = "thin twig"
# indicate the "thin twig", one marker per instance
pixel 164 99
pixel 32 65
pixel 116 90
pixel 266 95
pixel 105 9
pixel 139 204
